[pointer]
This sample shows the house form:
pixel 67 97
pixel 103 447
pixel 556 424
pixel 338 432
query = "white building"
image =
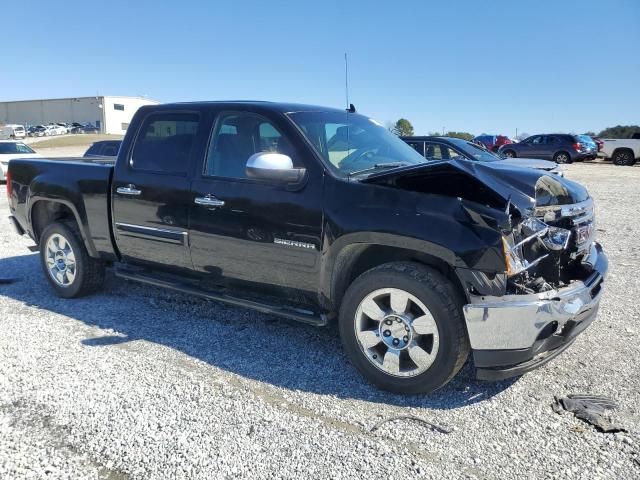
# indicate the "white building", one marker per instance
pixel 110 114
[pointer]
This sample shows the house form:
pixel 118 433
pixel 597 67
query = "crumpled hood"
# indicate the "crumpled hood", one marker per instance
pixel 514 184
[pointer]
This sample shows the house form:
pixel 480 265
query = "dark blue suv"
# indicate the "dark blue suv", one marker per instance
pixel 559 147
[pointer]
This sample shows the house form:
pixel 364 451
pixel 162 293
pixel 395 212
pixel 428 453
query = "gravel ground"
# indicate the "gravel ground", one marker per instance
pixel 136 382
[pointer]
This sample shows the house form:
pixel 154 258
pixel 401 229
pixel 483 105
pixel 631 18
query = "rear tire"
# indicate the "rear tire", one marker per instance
pixel 66 263
pixel 435 345
pixel 623 158
pixel 562 157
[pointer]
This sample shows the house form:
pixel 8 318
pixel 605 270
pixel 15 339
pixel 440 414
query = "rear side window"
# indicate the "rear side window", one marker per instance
pixel 111 149
pixel 164 143
pixel 438 151
pixel 417 146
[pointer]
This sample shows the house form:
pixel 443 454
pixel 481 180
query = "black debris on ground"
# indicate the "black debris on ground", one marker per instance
pixel 591 409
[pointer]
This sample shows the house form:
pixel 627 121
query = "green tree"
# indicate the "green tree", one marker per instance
pixel 403 128
pixel 463 135
pixel 619 131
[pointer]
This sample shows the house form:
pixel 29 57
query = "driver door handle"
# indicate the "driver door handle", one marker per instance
pixel 129 189
pixel 209 201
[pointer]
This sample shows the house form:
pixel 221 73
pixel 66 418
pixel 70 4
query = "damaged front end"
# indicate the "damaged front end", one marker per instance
pixel 554 277
pixel 548 286
pixel 551 244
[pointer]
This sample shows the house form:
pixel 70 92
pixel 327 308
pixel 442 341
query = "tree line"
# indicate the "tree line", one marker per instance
pixel 404 128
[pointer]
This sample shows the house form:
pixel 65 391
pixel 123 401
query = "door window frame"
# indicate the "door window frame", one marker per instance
pixel 143 122
pixel 219 117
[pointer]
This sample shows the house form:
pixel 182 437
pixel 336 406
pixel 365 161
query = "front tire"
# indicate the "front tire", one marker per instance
pixel 509 154
pixel 402 327
pixel 66 263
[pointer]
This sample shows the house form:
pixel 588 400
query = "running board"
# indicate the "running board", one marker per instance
pixel 310 318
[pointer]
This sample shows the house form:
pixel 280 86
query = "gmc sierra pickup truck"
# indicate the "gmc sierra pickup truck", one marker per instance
pixel 317 214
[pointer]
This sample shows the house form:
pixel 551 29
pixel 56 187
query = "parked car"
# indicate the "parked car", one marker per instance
pixel 12 132
pixel 447 148
pixel 63 127
pixel 89 129
pixel 10 149
pixel 623 152
pixel 599 143
pixel 75 127
pixel 559 147
pixel 492 142
pixel 104 148
pixel 55 129
pixel 314 213
pixel 40 131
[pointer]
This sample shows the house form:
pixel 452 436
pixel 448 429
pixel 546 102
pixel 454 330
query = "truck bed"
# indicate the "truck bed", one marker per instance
pixel 83 183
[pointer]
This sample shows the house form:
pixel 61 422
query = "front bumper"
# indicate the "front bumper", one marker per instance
pixel 513 334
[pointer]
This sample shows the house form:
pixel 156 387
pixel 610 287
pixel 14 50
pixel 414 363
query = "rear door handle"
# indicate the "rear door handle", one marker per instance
pixel 209 201
pixel 128 190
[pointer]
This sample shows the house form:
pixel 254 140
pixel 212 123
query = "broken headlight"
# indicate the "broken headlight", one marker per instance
pixel 530 231
pixel 554 238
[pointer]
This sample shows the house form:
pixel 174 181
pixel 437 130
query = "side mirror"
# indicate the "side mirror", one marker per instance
pixel 274 167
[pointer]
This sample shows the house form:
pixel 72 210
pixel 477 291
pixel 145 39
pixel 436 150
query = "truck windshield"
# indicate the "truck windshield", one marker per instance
pixel 352 144
pixel 12 147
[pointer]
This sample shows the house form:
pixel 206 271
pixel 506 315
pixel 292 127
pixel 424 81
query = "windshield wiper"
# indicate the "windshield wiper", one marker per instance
pixel 378 166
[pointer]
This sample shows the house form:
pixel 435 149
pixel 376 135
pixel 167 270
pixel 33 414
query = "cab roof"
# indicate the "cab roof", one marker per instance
pixel 281 107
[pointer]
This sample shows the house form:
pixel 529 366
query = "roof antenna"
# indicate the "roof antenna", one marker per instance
pixel 350 107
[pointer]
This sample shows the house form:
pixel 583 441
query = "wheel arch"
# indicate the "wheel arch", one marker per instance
pixel 624 149
pixel 44 211
pixel 354 258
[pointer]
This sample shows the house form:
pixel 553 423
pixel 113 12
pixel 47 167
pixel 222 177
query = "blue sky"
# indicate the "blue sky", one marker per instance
pixel 537 66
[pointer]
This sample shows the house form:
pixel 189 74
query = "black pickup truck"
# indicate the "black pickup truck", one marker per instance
pixel 317 214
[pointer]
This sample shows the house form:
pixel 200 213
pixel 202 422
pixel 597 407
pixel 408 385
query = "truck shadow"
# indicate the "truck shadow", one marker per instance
pixel 243 342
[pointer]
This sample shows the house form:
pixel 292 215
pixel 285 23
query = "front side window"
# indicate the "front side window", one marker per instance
pixel 539 140
pixel 350 144
pixel 164 143
pixel 237 136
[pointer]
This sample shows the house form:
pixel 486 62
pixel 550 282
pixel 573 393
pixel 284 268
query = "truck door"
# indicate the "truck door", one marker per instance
pixel 246 232
pixel 150 191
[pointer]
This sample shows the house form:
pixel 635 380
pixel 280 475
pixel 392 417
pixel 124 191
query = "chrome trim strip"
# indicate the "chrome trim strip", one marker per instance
pixel 153 233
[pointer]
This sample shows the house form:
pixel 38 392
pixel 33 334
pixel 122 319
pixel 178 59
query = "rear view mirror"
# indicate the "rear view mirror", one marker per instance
pixel 274 167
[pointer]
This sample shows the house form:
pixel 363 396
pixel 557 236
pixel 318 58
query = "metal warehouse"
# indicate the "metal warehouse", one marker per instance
pixel 109 114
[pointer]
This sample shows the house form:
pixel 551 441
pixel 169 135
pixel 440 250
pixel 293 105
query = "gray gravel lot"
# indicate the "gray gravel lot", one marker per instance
pixel 136 382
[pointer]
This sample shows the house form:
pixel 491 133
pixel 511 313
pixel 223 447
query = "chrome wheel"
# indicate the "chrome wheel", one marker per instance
pixel 61 261
pixel 509 154
pixel 562 158
pixel 396 332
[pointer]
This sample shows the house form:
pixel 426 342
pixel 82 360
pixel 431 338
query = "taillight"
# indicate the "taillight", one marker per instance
pixel 577 147
pixel 9 185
